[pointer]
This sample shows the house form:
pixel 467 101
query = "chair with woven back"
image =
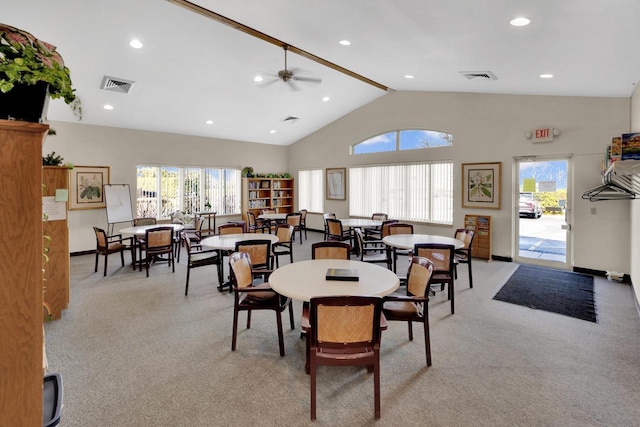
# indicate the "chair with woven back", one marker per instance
pixel 336 232
pixel 376 230
pixel 254 224
pixel 159 241
pixel 345 331
pixel 303 222
pixel 194 235
pixel 463 255
pixel 443 266
pixel 107 245
pixel 249 296
pixel 379 234
pixel 284 245
pixel 201 258
pixel 370 251
pixel 325 217
pixel 231 228
pixel 294 219
pixel 330 250
pixel 399 228
pixel 140 240
pixel 413 305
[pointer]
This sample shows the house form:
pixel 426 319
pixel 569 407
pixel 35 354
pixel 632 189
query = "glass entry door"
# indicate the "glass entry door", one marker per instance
pixel 542 211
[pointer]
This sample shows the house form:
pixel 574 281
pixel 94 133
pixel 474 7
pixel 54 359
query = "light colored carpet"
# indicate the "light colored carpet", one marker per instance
pixel 134 351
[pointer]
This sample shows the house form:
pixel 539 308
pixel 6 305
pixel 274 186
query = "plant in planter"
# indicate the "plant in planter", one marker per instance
pixel 32 64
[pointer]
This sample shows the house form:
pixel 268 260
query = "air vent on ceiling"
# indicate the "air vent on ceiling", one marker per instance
pixel 291 119
pixel 116 85
pixel 482 75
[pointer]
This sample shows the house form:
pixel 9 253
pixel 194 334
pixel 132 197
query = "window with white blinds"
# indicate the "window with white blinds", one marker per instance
pixel 411 192
pixel 162 190
pixel 311 190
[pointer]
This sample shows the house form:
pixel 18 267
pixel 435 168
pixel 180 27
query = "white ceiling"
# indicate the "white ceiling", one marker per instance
pixel 192 69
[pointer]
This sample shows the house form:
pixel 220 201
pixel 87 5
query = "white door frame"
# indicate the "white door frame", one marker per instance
pixel 567 264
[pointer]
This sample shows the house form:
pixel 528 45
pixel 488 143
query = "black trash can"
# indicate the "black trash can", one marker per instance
pixel 51 400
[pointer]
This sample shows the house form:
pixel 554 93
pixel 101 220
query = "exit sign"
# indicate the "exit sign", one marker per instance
pixel 542 135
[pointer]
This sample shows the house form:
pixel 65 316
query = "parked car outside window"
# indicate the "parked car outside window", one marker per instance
pixel 529 206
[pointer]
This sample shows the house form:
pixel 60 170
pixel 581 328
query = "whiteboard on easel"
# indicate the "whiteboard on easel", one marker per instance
pixel 118 201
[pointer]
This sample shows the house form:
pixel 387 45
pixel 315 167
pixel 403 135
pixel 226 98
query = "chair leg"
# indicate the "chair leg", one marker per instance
pixel 470 275
pixel 376 385
pixel 234 336
pixel 95 270
pixel 248 319
pixel 122 257
pixel 106 257
pixel 451 296
pixel 291 315
pixel 312 386
pixel 410 326
pixel 427 338
pixel 186 287
pixel 280 334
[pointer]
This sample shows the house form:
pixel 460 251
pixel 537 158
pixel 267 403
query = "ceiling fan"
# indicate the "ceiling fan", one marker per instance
pixel 290 75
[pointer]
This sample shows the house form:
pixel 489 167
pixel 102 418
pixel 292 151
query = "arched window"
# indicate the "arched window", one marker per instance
pixel 406 139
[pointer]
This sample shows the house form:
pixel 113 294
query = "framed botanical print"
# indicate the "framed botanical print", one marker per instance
pixel 336 184
pixel 86 187
pixel 481 185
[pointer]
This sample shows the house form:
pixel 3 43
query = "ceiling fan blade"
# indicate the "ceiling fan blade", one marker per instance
pixel 307 79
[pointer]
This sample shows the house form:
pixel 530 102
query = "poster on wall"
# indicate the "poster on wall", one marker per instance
pixel 481 185
pixel 86 184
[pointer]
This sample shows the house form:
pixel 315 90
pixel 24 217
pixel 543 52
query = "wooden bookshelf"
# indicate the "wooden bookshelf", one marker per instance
pixel 21 334
pixel 481 224
pixel 267 193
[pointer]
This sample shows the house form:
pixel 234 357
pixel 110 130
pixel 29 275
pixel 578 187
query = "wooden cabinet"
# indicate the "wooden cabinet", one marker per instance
pixel 481 224
pixel 267 193
pixel 21 334
pixel 56 231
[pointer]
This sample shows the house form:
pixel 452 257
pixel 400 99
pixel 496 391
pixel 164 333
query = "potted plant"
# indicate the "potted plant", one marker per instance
pixel 31 65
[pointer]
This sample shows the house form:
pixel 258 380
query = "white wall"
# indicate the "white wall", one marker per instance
pixel 124 149
pixel 491 128
pixel 635 205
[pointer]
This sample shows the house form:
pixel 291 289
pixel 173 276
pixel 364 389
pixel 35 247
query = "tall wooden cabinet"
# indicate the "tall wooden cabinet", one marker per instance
pixel 56 269
pixel 267 193
pixel 481 224
pixel 21 334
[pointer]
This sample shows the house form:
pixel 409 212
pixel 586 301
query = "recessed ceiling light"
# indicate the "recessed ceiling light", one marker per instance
pixel 325 99
pixel 520 21
pixel 345 42
pixel 209 122
pixel 408 76
pixel 272 131
pixel 546 76
pixel 135 43
pixel 258 79
pixel 108 107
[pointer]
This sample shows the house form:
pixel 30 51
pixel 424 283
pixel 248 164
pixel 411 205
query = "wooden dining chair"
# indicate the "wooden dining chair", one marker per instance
pixel 249 297
pixel 303 221
pixel 345 331
pixel 107 245
pixel 231 228
pixel 399 228
pixel 330 250
pixel 201 258
pixel 413 305
pixel 370 251
pixel 325 217
pixel 194 235
pixel 443 266
pixel 158 242
pixel 463 255
pixel 284 245
pixel 336 232
pixel 254 224
pixel 294 219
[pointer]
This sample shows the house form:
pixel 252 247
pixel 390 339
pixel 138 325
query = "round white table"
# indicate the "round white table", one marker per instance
pixel 408 241
pixel 304 280
pixel 226 243
pixel 273 216
pixel 359 222
pixel 141 230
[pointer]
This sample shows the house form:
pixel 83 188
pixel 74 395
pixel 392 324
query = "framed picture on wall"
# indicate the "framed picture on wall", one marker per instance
pixel 86 187
pixel 336 184
pixel 481 185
